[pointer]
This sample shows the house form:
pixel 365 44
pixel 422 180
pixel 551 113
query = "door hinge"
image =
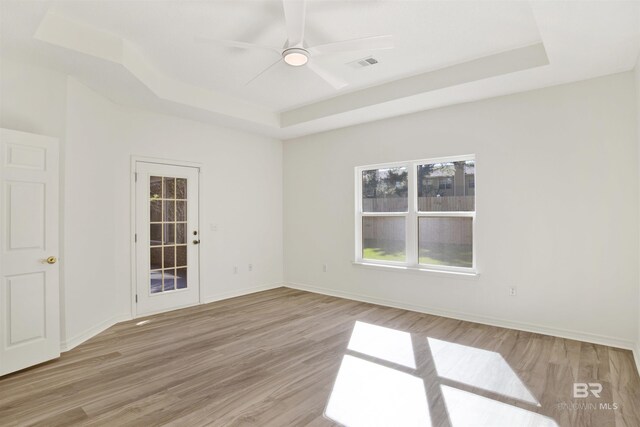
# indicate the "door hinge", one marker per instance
pixel 135 238
pixel 136 298
pixel 136 173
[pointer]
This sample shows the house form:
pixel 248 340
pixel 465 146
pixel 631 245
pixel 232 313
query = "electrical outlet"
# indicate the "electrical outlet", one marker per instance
pixel 513 291
pixel 324 268
pixel 250 267
pixel 235 269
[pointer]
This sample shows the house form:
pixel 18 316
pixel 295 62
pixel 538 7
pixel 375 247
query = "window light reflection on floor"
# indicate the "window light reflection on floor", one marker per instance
pixel 478 368
pixel 368 394
pixel 378 383
pixel 383 343
pixel 469 409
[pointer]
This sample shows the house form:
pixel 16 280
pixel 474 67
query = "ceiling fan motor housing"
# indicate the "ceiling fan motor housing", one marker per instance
pixel 295 56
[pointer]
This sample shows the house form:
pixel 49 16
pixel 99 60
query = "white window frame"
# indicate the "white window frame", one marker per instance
pixel 412 216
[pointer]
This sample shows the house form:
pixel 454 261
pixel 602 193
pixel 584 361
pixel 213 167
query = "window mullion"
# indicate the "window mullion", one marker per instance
pixel 384 213
pixel 447 214
pixel 412 225
pixel 358 215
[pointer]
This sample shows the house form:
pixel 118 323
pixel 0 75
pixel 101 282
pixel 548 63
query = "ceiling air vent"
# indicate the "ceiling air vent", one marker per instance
pixel 364 62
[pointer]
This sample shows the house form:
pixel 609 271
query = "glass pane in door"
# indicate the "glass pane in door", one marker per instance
pixel 167 234
pixel 181 278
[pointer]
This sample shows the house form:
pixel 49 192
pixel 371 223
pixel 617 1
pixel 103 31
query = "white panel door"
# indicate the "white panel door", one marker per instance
pixel 167 237
pixel 29 288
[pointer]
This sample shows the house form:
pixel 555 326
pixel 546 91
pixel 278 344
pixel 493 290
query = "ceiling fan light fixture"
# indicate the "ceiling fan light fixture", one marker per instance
pixel 295 57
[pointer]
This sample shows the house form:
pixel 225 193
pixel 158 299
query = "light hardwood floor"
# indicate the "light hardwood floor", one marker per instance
pixel 286 357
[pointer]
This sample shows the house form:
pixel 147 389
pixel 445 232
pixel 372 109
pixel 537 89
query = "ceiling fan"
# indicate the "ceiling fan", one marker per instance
pixel 295 51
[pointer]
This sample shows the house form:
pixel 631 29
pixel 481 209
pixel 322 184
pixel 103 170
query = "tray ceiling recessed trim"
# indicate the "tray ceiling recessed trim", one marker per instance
pixel 61 31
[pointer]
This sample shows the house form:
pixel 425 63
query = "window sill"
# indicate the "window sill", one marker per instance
pixel 471 275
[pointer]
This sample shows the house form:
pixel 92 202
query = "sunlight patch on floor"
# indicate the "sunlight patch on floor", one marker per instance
pixel 470 410
pixel 368 394
pixel 478 368
pixel 383 343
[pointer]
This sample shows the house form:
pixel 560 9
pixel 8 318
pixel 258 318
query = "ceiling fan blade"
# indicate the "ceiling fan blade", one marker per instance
pixel 294 16
pixel 264 71
pixel 334 81
pixel 366 43
pixel 234 43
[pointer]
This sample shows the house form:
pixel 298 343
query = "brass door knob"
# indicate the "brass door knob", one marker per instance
pixel 52 260
pixel 196 242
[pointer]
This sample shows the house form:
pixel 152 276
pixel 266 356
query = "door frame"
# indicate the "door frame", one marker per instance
pixel 132 232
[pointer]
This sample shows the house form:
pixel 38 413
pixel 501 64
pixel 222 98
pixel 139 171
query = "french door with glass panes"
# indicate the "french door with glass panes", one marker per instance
pixel 167 237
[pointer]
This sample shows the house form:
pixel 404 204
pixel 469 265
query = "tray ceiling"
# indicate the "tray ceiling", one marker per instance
pixel 144 54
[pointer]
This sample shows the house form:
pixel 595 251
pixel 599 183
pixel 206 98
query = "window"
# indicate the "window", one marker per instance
pixel 445 183
pixel 417 214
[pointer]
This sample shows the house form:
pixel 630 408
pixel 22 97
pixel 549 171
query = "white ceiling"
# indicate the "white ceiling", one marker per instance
pixel 581 40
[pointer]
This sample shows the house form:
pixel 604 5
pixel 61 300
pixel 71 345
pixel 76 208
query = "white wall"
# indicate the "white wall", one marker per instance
pixel 637 82
pixel 557 209
pixel 241 193
pixel 32 99
pixel 89 276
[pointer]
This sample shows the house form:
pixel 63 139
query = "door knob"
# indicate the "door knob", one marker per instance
pixel 196 242
pixel 52 260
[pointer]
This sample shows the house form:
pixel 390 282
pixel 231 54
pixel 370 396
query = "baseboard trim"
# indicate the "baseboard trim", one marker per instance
pixel 527 327
pixel 503 323
pixel 75 341
pixel 241 292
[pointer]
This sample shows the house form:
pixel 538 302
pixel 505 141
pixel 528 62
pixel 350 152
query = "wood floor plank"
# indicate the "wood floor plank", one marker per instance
pixel 625 387
pixel 273 359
